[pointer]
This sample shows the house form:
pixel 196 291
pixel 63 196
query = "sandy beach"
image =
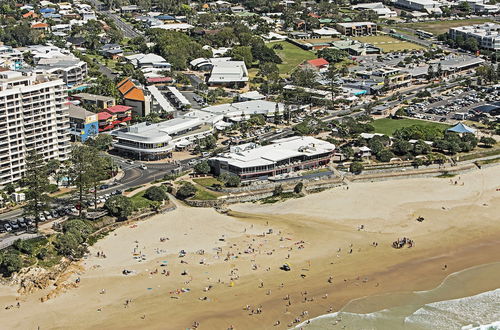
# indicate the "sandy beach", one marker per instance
pixel 337 243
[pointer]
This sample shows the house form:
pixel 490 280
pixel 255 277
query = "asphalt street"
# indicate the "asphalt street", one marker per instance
pixel 127 29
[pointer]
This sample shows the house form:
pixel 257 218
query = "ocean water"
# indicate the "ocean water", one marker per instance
pixel 466 300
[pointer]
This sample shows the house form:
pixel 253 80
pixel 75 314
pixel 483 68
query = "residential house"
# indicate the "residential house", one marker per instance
pixel 142 61
pixel 318 64
pixel 112 51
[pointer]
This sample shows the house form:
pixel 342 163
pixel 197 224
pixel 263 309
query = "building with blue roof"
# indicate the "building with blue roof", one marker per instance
pixel 47 10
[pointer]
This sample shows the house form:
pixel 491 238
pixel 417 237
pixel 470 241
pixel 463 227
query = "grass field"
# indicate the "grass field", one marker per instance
pixel 207 182
pixel 140 202
pixel 388 126
pixel 440 27
pixel 389 44
pixel 203 194
pixel 291 56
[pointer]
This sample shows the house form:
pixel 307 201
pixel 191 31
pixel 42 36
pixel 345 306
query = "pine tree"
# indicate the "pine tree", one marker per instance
pixel 82 170
pixel 36 180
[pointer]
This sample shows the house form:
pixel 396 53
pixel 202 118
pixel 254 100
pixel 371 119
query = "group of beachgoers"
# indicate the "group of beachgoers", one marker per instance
pixel 252 248
pixel 400 243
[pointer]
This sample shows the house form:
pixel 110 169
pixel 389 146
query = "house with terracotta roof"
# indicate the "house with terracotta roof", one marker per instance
pixel 40 26
pixel 30 14
pixel 134 97
pixel 318 64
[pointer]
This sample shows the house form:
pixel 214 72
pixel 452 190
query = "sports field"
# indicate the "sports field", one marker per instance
pixel 388 126
pixel 389 44
pixel 440 27
pixel 291 56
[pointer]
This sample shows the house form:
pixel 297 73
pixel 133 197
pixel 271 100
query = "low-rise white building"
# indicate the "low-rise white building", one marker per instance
pixel 149 61
pixel 487 34
pixel 287 155
pixel 428 6
pixel 147 141
pixel 180 27
pixel 229 74
pixel 378 7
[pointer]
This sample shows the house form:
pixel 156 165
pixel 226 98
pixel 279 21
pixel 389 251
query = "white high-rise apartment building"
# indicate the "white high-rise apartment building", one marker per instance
pixel 33 115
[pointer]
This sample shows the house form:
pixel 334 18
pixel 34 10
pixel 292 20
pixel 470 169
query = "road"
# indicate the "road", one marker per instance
pixel 134 176
pixel 127 29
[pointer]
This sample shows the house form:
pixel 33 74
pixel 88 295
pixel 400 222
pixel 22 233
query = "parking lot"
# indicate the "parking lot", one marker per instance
pixel 453 105
pixel 61 209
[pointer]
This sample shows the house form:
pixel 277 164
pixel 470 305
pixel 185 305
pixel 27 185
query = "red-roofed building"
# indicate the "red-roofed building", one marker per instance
pixel 123 113
pixel 30 14
pixel 40 26
pixel 319 64
pixel 159 80
pixel 106 120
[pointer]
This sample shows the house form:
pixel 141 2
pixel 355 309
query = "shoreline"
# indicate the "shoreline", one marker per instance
pixel 460 230
pixel 405 297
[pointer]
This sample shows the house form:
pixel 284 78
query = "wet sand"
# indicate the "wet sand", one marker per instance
pixel 318 235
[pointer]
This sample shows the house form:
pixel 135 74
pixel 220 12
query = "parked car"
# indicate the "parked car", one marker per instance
pixel 13 224
pixel 21 223
pixel 7 227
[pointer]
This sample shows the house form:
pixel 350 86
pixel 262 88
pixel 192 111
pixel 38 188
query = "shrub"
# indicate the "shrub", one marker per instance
pixel 80 228
pixel 230 180
pixel 29 246
pixel 186 190
pixel 385 155
pixel 356 167
pixel 68 245
pixel 278 190
pixel 157 194
pixel 52 188
pixel 119 206
pixel 11 262
pixel 298 188
pixel 488 141
pixel 202 167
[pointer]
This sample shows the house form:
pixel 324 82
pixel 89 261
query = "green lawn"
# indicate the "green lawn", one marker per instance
pixel 389 44
pixel 207 182
pixel 440 27
pixel 291 56
pixel 140 202
pixel 388 126
pixel 105 61
pixel 203 194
